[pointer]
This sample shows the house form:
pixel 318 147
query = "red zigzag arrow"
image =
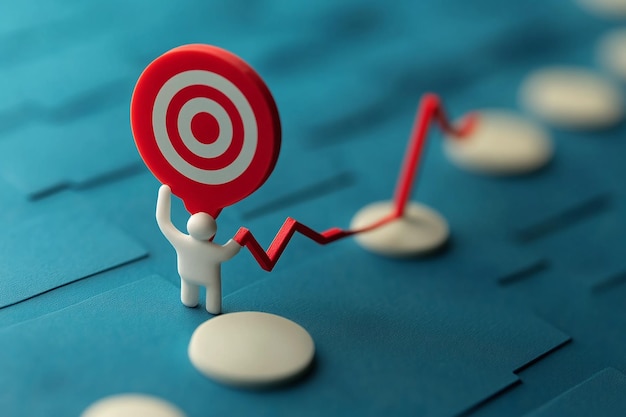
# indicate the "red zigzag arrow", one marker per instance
pixel 430 110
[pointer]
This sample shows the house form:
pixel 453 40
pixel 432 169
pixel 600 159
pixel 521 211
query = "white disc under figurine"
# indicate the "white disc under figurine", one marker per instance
pixel 573 98
pixel 132 405
pixel 251 349
pixel 420 231
pixel 612 52
pixel 608 8
pixel 502 143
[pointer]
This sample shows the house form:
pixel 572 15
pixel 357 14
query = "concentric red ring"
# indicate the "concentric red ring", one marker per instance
pixel 183 97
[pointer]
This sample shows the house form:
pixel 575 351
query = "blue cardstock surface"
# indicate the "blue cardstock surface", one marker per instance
pixel 46 250
pixel 520 313
pixel 600 395
pixel 366 345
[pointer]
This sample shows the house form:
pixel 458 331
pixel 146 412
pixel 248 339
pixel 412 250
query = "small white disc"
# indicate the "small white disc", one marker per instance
pixel 132 405
pixel 501 143
pixel 251 349
pixel 572 98
pixel 612 52
pixel 608 8
pixel 420 231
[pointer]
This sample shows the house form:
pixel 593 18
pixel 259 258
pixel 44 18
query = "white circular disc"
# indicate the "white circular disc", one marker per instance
pixel 251 349
pixel 609 8
pixel 132 405
pixel 502 143
pixel 572 98
pixel 420 231
pixel 612 52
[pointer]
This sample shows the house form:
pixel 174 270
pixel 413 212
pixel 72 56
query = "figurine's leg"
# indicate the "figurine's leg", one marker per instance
pixel 214 297
pixel 189 293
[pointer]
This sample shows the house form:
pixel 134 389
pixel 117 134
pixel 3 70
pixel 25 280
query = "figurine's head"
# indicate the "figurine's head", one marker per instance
pixel 201 226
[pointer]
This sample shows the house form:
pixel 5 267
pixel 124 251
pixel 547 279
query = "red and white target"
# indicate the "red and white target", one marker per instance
pixel 206 125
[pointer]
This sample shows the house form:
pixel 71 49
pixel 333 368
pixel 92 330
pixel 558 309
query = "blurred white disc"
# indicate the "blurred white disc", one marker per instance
pixel 608 8
pixel 612 52
pixel 132 405
pixel 420 231
pixel 572 98
pixel 502 143
pixel 251 349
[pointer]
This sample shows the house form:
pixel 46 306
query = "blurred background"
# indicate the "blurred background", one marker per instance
pixel 347 77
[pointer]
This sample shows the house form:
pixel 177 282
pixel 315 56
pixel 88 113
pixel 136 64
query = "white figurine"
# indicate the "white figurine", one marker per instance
pixel 199 259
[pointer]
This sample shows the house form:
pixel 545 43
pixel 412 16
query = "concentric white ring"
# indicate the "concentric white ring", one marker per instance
pixel 250 134
pixel 194 107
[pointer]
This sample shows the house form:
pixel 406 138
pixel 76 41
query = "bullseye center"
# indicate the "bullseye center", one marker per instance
pixel 205 128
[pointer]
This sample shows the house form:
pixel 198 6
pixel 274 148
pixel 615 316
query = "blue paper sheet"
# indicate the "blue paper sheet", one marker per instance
pixel 477 329
pixel 365 347
pixel 600 395
pixel 46 250
pixel 42 159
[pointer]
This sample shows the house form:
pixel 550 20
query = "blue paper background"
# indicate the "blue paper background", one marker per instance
pixel 517 316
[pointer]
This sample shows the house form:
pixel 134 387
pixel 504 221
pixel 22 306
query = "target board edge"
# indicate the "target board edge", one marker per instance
pixel 161 134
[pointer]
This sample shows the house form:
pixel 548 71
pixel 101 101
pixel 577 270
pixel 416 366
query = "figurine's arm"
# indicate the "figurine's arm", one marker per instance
pixel 163 214
pixel 230 249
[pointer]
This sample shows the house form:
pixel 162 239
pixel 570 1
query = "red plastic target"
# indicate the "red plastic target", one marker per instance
pixel 205 124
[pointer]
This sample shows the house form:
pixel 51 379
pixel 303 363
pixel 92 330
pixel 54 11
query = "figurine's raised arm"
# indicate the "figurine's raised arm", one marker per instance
pixel 229 249
pixel 163 214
